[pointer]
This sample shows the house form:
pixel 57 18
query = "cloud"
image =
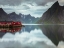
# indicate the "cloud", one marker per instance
pixel 25 8
pixel 42 2
pixel 32 7
pixel 61 44
pixel 18 2
pixel 11 2
pixel 61 2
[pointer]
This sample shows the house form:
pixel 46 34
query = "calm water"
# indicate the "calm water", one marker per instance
pixel 35 36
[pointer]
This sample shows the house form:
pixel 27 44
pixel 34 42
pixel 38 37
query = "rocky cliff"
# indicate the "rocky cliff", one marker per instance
pixel 54 15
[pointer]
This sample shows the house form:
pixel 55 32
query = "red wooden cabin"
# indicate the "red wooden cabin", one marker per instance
pixel 10 24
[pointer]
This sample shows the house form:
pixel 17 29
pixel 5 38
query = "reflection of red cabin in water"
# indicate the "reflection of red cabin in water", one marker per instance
pixel 10 24
pixel 12 30
pixel 3 31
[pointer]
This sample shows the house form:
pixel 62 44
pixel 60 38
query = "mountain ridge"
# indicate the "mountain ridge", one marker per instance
pixel 16 17
pixel 54 15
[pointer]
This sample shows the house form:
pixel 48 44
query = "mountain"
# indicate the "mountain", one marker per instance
pixel 28 19
pixel 3 15
pixel 14 17
pixel 54 15
pixel 17 17
pixel 23 18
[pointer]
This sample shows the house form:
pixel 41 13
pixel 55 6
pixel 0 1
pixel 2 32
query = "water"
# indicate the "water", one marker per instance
pixel 35 36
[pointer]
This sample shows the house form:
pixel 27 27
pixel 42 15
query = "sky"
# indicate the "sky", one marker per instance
pixel 34 7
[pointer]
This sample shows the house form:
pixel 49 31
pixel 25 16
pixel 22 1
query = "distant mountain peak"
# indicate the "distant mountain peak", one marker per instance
pixel 56 4
pixel 13 13
pixel 29 15
pixel 20 13
pixel 2 11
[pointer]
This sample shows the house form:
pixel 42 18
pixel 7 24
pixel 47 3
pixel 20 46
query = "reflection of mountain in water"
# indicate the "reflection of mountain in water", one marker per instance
pixel 28 28
pixel 54 32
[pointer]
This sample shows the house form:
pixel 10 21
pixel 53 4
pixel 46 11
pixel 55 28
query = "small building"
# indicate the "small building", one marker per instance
pixel 10 24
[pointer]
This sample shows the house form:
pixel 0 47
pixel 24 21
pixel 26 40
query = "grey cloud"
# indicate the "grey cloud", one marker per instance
pixel 8 9
pixel 18 2
pixel 26 7
pixel 42 2
pixel 10 2
pixel 40 11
